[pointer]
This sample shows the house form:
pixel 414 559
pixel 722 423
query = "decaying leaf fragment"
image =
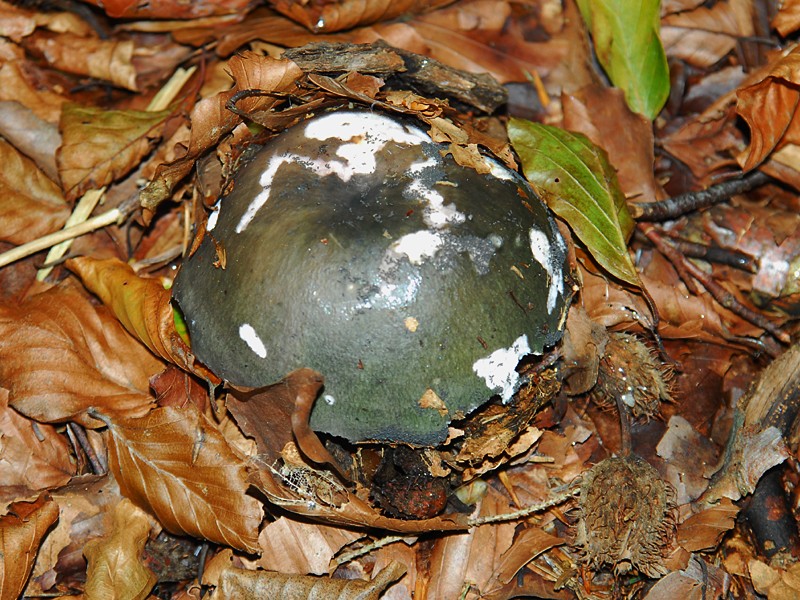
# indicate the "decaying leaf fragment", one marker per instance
pixel 115 566
pixel 21 533
pixel 627 517
pixel 240 583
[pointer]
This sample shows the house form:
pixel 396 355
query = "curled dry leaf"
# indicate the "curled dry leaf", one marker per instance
pixel 232 582
pixel 100 145
pixel 21 532
pixel 170 9
pixel 18 83
pixel 31 458
pixel 142 306
pixel 325 17
pixel 116 569
pixel 108 60
pixel 211 120
pixel 32 204
pixel 61 356
pixel 176 464
pixel 33 137
pixel 770 108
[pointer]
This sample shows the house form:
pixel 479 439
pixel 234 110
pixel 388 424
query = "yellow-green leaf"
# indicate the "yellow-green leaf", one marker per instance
pixel 576 180
pixel 628 45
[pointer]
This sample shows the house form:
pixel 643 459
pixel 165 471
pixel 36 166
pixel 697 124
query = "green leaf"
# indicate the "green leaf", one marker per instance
pixel 575 179
pixel 627 43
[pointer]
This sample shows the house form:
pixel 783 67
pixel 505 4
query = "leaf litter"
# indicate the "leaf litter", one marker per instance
pixel 95 375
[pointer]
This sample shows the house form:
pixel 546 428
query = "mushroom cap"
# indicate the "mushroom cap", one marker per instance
pixel 356 247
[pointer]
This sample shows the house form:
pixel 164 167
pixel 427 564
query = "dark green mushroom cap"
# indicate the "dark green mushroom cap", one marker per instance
pixel 354 247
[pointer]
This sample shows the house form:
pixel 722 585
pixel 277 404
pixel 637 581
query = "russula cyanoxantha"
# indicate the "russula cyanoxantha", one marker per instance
pixel 356 247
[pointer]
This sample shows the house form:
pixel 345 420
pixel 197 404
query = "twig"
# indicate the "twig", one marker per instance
pixel 43 243
pixel 676 206
pixel 715 254
pixel 719 293
pixel 98 468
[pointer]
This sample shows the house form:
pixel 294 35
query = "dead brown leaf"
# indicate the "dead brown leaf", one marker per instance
pixel 115 566
pixel 703 530
pixel 33 137
pixel 703 36
pixel 211 119
pixel 32 204
pixel 775 583
pixel 61 356
pixel 109 60
pixel 297 547
pixel 325 17
pixel 142 306
pixel 176 464
pixel 787 19
pixel 21 533
pixel 100 146
pixel 33 456
pixel 174 9
pixel 469 560
pixel 770 109
pixel 232 582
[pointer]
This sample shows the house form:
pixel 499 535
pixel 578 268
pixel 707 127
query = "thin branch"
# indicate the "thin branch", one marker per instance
pixel 674 207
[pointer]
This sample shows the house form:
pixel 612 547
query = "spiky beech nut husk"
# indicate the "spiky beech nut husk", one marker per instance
pixel 630 371
pixel 627 516
pixel 356 246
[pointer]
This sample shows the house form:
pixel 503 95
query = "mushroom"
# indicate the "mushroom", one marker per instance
pixel 356 246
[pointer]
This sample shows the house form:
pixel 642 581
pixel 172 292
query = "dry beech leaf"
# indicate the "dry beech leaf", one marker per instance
pixel 108 60
pixel 116 569
pixel 31 458
pixel 232 582
pixel 32 204
pixel 61 356
pixel 211 120
pixel 788 18
pixel 289 546
pixel 770 109
pixel 176 464
pixel 704 36
pixel 775 583
pixel 527 546
pixel 142 306
pixel 21 532
pixel 703 531
pixel 19 85
pixel 325 17
pixel 170 9
pixel 473 556
pixel 100 145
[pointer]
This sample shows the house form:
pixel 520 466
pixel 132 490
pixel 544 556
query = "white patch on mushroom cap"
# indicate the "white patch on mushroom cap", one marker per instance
pixel 369 134
pixel 543 254
pixel 499 171
pixel 212 218
pixel 375 129
pixel 499 369
pixel 250 337
pixel 418 245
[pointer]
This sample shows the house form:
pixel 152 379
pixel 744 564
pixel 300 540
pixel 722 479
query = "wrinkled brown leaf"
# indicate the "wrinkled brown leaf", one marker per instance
pixel 33 456
pixel 289 546
pixel 323 17
pixel 211 119
pixel 142 306
pixel 109 60
pixel 35 138
pixel 32 204
pixel 21 533
pixel 100 146
pixel 18 83
pixel 703 531
pixel 174 9
pixel 703 36
pixel 115 566
pixel 231 582
pixel 775 583
pixel 177 465
pixel 770 108
pixel 61 356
